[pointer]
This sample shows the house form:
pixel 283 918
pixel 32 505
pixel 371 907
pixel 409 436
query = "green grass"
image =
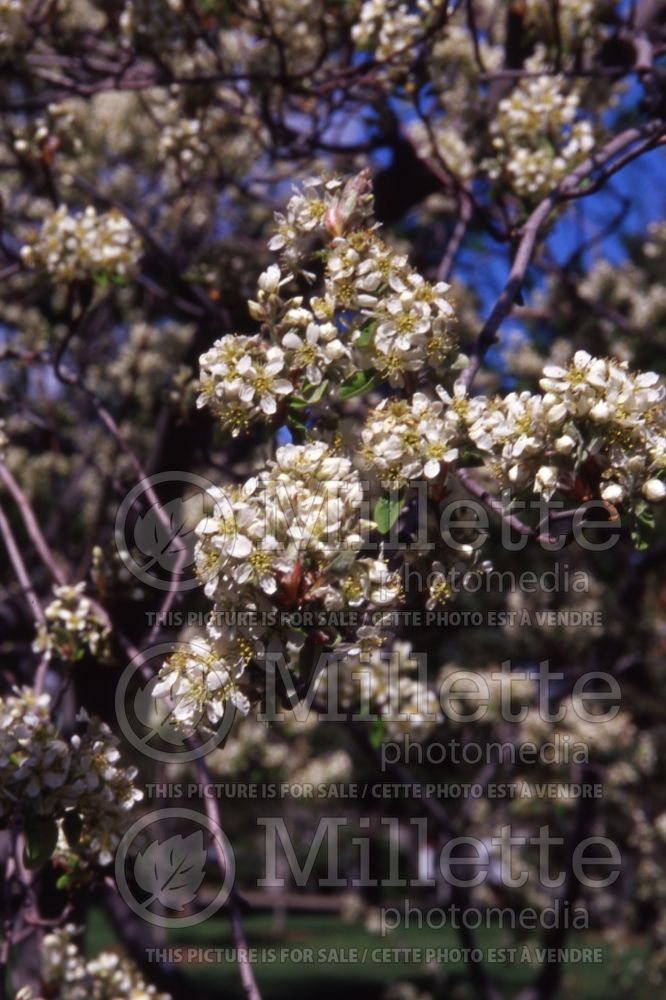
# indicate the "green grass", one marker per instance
pixel 341 975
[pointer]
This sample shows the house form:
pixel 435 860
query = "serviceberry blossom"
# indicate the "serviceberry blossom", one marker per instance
pixel 242 378
pixel 537 134
pixel 389 683
pixel 285 542
pixel 376 318
pixel 405 440
pixel 393 28
pixel 200 681
pixel 73 625
pixel 44 774
pixel 75 247
pixel 273 537
pixel 597 429
pixel 323 205
pixel 68 975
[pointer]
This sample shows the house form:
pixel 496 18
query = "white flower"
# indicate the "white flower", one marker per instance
pixel 612 493
pixel 654 490
pixel 289 539
pixel 402 440
pixel 546 479
pixel 316 351
pixel 242 380
pixel 200 680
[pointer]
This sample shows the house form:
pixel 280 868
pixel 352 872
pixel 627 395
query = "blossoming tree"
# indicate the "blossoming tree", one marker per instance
pixel 332 341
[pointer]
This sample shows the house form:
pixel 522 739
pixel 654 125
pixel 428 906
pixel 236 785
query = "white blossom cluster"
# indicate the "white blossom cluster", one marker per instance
pixel 142 369
pixel 393 28
pixel 200 681
pixel 321 206
pixel 75 247
pixel 445 142
pixel 634 290
pixel 185 141
pixel 452 133
pixel 377 317
pixel 295 517
pixel 326 769
pixel 404 439
pixel 68 975
pixel 596 422
pixel 536 136
pixel 285 541
pixel 241 379
pixel 403 323
pixel 43 774
pixel 72 625
pixel 222 135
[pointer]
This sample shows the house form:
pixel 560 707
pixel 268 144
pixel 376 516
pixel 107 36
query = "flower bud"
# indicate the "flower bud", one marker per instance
pixel 654 490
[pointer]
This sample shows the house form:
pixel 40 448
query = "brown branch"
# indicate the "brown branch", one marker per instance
pixel 570 187
pixel 19 568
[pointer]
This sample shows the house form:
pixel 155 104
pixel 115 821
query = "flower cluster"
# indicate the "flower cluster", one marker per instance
pixel 241 379
pixel 403 323
pixel 597 427
pixel 68 975
pixel 404 440
pixel 72 627
pixel 376 319
pixel 321 206
pixel 393 28
pixel 43 774
pixel 88 245
pixel 445 142
pixel 285 542
pixel 198 144
pixel 200 681
pixel 536 136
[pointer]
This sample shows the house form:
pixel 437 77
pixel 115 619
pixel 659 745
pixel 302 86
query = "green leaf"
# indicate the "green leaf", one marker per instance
pixel 358 383
pixel 311 394
pixel 364 338
pixel 387 510
pixel 470 458
pixel 377 733
pixel 72 826
pixel 342 562
pixel 41 837
pixel 296 421
pixel 643 528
